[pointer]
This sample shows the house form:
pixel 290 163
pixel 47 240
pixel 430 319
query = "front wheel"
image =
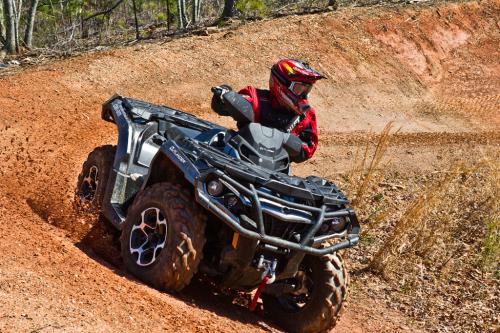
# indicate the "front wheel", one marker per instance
pixel 163 237
pixel 320 288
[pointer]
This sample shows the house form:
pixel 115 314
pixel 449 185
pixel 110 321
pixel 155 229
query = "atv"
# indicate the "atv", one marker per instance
pixel 189 195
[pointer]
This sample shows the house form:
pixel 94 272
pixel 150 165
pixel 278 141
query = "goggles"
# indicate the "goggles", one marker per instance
pixel 300 89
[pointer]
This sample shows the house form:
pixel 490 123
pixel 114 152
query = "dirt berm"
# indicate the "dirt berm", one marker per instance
pixel 432 68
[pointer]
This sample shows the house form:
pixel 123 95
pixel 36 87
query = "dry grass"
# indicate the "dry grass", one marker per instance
pixel 412 221
pixel 426 222
pixel 362 172
pixel 443 253
pixel 490 256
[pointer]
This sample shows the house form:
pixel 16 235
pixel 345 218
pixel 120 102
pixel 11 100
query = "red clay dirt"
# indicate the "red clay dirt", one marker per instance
pixel 432 69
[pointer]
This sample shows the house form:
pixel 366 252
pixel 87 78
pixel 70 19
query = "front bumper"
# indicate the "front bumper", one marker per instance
pixel 262 203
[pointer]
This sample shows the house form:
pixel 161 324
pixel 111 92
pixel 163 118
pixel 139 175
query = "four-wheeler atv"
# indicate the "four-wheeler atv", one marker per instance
pixel 190 195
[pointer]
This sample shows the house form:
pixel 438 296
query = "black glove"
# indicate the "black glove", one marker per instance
pixel 294 146
pixel 218 102
pixel 219 91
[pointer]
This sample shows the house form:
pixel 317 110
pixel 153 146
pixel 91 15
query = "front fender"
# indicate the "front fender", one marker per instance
pixel 107 108
pixel 170 164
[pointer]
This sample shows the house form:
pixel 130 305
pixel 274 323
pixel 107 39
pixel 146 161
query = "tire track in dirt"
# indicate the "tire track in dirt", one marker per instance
pixel 423 138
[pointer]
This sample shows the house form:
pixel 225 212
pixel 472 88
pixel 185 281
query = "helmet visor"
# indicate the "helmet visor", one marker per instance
pixel 301 89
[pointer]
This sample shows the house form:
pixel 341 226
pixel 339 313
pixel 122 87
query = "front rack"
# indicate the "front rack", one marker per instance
pixel 255 229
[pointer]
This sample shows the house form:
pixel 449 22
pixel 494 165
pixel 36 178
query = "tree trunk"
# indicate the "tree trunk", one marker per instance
pixel 2 27
pixel 184 16
pixel 137 34
pixel 196 10
pixel 180 23
pixel 62 19
pixel 181 12
pixel 10 37
pixel 168 15
pixel 17 11
pixel 2 31
pixel 228 9
pixel 333 3
pixel 193 12
pixel 28 35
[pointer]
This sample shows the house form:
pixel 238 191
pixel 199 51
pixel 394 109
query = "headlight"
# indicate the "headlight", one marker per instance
pixel 337 224
pixel 333 225
pixel 215 188
pixel 233 203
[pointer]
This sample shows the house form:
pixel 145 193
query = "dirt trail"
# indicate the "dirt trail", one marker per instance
pixel 432 69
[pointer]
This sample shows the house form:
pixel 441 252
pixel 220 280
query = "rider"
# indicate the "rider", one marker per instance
pixel 284 106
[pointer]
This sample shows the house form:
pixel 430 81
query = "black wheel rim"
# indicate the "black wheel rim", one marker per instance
pixel 148 236
pixel 88 189
pixel 294 301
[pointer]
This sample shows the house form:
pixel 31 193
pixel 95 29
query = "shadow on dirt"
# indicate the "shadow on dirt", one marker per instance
pixel 100 241
pixel 102 244
pixel 205 294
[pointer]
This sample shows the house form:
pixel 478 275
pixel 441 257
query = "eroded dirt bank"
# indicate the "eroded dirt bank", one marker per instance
pixel 432 69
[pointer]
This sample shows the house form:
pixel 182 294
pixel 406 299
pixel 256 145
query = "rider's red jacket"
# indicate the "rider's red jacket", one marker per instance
pixel 269 114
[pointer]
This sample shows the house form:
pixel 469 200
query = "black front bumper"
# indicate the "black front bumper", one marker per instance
pixel 255 229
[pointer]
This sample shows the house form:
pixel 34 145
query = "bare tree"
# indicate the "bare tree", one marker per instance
pixel 104 12
pixel 17 6
pixel 137 33
pixel 94 19
pixel 180 22
pixel 333 3
pixel 28 34
pixel 181 12
pixel 196 11
pixel 184 15
pixel 228 9
pixel 10 36
pixel 168 15
pixel 2 32
pixel 2 27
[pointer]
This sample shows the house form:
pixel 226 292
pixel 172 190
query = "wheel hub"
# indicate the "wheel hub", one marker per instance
pixel 89 185
pixel 148 236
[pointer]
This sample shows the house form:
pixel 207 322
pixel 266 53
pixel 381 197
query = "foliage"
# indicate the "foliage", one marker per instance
pixel 81 23
pixel 252 7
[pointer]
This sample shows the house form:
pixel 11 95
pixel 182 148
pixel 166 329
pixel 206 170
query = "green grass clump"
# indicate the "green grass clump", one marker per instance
pixel 490 256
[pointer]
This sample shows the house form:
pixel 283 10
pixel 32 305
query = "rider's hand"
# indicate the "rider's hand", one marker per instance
pixel 218 104
pixel 293 145
pixel 219 91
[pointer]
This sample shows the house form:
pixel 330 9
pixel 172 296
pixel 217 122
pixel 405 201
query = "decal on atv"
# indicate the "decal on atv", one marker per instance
pixel 177 154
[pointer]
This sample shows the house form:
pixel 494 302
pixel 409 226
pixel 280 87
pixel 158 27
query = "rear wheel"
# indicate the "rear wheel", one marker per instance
pixel 93 179
pixel 163 237
pixel 320 288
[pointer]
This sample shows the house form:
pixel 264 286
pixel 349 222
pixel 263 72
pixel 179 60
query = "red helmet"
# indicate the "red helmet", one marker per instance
pixel 290 83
